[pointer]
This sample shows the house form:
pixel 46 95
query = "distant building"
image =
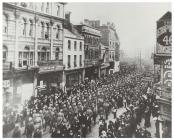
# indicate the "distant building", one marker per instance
pixel 92 49
pixel 73 54
pixel 32 48
pixel 163 58
pixel 109 38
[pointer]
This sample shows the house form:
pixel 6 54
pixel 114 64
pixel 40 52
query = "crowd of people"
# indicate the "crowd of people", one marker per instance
pixel 71 114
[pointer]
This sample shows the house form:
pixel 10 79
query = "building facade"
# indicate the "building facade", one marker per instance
pixel 73 55
pixel 110 39
pixel 32 48
pixel 163 59
pixel 91 49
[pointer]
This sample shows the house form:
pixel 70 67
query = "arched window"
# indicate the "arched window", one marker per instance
pixel 47 8
pixel 47 31
pixel 69 44
pixel 5 23
pixel 58 10
pixel 26 56
pixel 57 54
pixel 42 7
pixel 57 31
pixel 5 53
pixel 24 26
pixel 43 54
pixel 42 30
pixel 31 28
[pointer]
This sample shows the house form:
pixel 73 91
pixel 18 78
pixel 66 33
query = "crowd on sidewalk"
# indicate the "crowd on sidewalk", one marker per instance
pixel 72 114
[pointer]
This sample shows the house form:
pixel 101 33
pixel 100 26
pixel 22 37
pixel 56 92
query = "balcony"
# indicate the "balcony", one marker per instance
pixel 50 62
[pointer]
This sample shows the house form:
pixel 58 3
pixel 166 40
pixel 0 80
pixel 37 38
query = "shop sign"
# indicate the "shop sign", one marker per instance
pixel 6 83
pixel 164 38
pixel 167 73
pixel 50 68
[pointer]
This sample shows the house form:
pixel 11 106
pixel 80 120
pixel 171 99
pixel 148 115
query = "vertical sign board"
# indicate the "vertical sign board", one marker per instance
pixel 164 37
pixel 167 73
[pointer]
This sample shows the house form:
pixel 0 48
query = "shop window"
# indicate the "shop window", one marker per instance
pixel 57 54
pixel 75 60
pixel 80 46
pixel 69 61
pixel 69 44
pixel 5 24
pixel 5 53
pixel 75 45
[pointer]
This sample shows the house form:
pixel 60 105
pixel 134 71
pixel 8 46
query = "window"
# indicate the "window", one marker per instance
pixel 69 45
pixel 47 31
pixel 31 5
pixel 43 55
pixel 58 10
pixel 69 61
pixel 75 45
pixel 23 4
pixel 80 46
pixel 24 27
pixel 47 8
pixel 80 60
pixel 42 7
pixel 57 31
pixel 75 60
pixel 31 28
pixel 20 59
pixel 57 54
pixel 5 53
pixel 5 24
pixel 42 30
pixel 26 58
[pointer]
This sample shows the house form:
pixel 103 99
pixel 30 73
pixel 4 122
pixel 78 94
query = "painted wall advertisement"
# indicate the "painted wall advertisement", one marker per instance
pixel 167 73
pixel 164 37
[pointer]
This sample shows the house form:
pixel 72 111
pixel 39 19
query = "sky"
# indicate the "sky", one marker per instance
pixel 135 22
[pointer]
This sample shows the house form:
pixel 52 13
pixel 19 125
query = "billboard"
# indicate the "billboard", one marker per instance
pixel 164 35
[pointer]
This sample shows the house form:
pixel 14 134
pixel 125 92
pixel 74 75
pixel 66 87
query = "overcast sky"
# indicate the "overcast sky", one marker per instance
pixel 135 22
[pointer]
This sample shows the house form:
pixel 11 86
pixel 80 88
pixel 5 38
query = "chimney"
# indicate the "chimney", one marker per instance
pixel 67 16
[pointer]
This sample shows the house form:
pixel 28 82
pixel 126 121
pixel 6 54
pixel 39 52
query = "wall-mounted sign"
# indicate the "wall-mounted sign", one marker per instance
pixel 50 68
pixel 167 74
pixel 164 37
pixel 6 83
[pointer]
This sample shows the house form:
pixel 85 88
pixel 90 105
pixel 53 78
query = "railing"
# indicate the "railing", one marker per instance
pixel 50 62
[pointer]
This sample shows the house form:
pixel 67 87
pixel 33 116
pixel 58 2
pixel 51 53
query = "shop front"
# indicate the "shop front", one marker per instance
pixel 73 77
pixel 92 72
pixel 49 76
pixel 24 86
